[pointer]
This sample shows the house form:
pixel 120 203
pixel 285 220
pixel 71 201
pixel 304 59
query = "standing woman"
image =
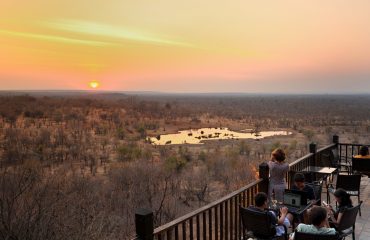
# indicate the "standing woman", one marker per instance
pixel 278 169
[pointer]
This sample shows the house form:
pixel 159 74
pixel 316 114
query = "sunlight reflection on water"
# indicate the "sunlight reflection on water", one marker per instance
pixel 196 136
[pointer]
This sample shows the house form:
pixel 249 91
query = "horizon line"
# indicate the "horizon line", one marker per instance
pixel 178 92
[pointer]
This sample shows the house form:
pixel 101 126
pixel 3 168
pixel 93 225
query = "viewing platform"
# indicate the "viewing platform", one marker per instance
pixel 363 221
pixel 220 220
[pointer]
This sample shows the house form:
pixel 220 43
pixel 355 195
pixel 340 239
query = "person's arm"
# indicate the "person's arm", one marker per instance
pixel 283 213
pixel 270 163
pixel 327 225
pixel 337 221
pixel 332 215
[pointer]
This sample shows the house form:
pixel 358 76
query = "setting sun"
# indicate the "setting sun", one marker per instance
pixel 94 84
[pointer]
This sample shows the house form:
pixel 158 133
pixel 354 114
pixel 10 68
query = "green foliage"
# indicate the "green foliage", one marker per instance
pixel 128 152
pixel 34 114
pixel 202 156
pixel 308 133
pixel 120 134
pixel 232 153
pixel 185 154
pixel 244 148
pixel 175 163
pixel 275 145
pixel 293 145
pixel 142 131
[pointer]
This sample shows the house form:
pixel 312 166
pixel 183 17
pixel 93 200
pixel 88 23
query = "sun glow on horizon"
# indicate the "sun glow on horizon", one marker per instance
pixel 186 46
pixel 94 84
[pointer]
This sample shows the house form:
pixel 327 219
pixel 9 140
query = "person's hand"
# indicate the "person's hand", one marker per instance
pixel 329 207
pixel 284 211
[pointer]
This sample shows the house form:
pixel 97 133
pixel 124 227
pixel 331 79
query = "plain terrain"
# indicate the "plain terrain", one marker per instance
pixel 77 165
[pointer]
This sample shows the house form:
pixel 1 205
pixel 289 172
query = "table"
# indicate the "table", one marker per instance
pixel 325 171
pixel 320 170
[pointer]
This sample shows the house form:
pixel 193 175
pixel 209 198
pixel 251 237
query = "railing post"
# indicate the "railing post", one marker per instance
pixel 144 224
pixel 313 149
pixel 336 139
pixel 264 173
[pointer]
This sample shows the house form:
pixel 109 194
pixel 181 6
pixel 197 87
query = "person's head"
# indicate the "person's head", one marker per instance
pixel 278 154
pixel 260 200
pixel 342 197
pixel 299 180
pixel 318 215
pixel 364 150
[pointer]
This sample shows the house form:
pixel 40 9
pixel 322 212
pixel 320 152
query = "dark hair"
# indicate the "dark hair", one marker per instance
pixel 260 199
pixel 345 198
pixel 278 154
pixel 317 215
pixel 364 150
pixel 299 177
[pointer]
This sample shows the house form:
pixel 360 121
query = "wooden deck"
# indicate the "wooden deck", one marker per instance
pixel 363 222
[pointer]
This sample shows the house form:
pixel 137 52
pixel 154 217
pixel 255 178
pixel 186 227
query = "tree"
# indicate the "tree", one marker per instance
pixel 128 152
pixel 175 163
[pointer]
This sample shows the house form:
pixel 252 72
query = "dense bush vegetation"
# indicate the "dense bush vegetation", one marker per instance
pixel 77 167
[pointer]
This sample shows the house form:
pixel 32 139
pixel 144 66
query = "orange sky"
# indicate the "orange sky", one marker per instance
pixel 186 46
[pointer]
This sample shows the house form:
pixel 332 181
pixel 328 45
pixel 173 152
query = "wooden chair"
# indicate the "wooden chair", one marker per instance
pixel 350 183
pixel 310 236
pixel 347 223
pixel 259 224
pixel 361 165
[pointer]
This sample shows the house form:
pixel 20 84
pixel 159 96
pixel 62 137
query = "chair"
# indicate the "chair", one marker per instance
pixel 347 223
pixel 337 162
pixel 259 223
pixel 361 165
pixel 311 236
pixel 350 183
pixel 317 188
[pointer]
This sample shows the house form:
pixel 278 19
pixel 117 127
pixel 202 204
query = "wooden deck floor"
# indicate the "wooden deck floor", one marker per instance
pixel 362 228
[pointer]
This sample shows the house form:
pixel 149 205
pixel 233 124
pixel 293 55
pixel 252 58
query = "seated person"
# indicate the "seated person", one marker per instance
pixel 363 152
pixel 300 185
pixel 261 204
pixel 344 201
pixel 319 218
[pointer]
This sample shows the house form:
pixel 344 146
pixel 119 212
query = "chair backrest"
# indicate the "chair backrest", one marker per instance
pixel 361 164
pixel 257 222
pixel 349 182
pixel 317 188
pixel 310 236
pixel 349 218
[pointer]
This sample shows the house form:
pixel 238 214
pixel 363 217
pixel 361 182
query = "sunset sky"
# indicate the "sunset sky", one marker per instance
pixel 186 46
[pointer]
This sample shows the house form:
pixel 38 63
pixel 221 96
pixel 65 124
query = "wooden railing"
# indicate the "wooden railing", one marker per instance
pixel 347 150
pixel 316 157
pixel 220 220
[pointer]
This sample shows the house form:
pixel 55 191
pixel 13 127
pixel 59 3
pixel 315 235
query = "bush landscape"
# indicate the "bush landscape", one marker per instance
pixel 77 166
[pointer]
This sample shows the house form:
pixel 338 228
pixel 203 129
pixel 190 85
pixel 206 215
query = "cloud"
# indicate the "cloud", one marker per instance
pixel 105 30
pixel 53 38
